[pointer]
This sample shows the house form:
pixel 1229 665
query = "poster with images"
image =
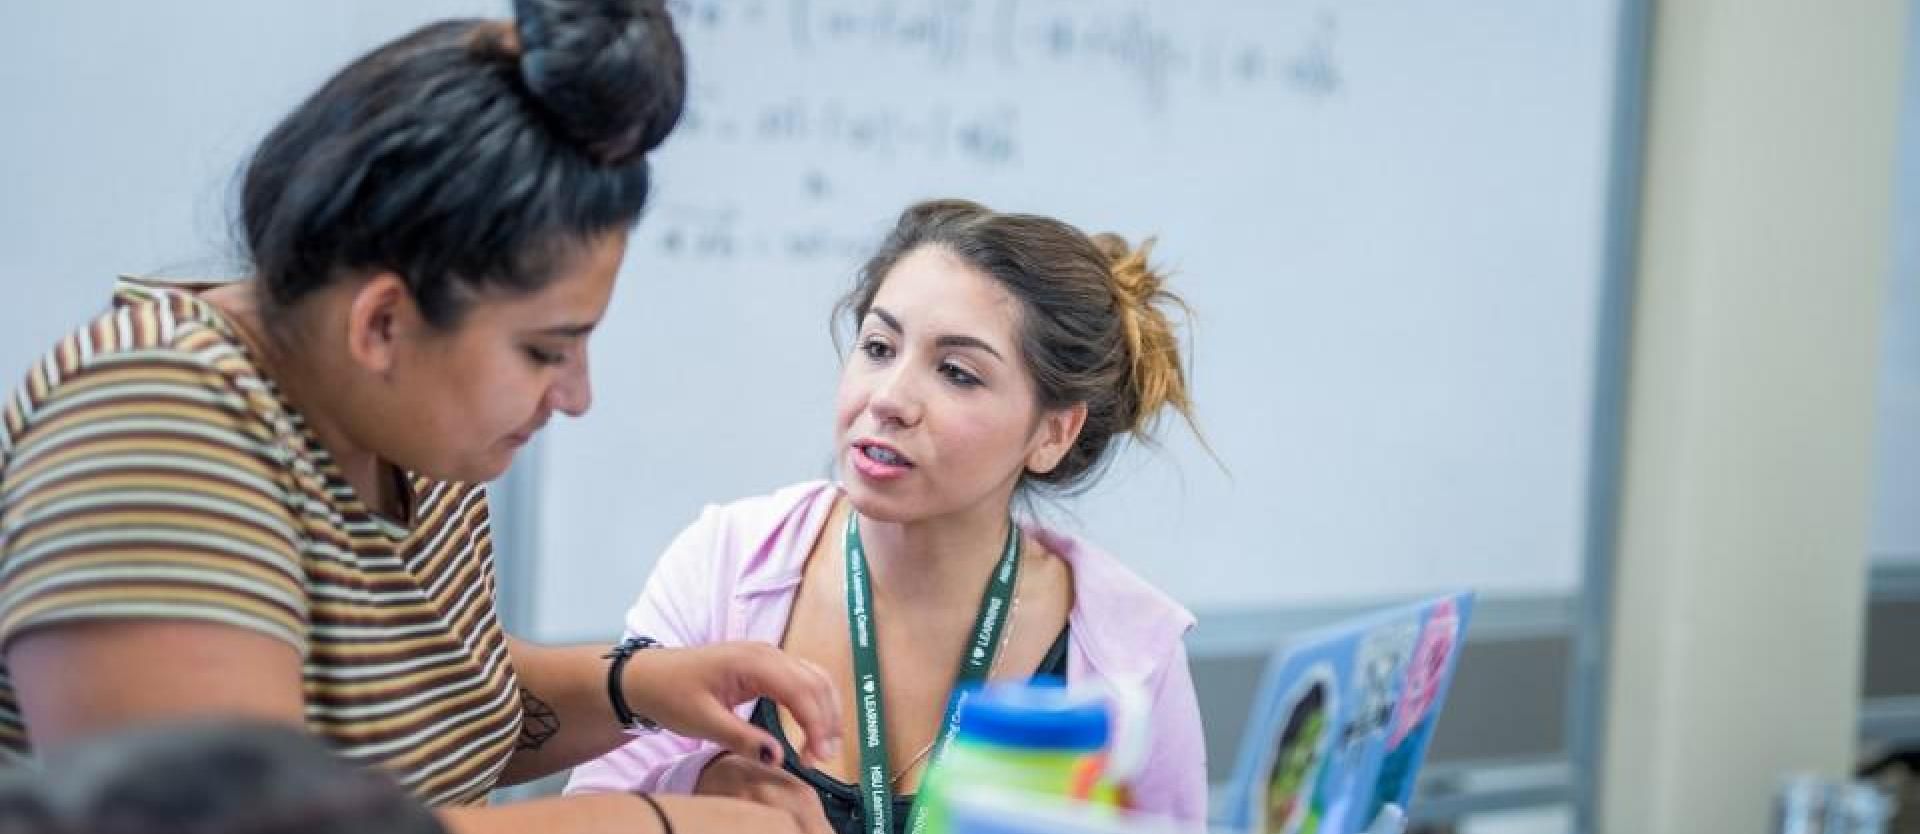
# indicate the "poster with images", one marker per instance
pixel 1343 720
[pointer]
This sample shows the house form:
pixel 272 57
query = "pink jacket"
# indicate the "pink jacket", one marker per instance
pixel 733 574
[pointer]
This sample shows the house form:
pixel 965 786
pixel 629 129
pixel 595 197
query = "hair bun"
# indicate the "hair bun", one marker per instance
pixel 1153 348
pixel 1133 276
pixel 610 73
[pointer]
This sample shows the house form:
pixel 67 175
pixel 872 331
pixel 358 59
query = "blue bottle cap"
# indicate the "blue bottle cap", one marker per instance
pixel 1037 717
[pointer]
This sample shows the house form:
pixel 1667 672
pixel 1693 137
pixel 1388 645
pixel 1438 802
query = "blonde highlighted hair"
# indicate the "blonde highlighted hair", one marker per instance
pixel 1095 326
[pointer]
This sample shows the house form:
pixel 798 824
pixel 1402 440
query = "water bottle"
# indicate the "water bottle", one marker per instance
pixel 1023 738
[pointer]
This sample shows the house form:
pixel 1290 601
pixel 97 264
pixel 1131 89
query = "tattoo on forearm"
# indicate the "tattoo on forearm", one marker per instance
pixel 538 722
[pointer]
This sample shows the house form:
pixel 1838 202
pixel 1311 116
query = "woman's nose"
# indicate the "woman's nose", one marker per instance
pixel 895 397
pixel 572 393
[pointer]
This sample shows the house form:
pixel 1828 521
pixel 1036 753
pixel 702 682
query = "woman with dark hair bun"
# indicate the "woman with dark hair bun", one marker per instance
pixel 263 499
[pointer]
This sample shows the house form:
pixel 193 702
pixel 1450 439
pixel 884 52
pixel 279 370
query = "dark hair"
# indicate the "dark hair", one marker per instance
pixel 225 777
pixel 1092 327
pixel 469 155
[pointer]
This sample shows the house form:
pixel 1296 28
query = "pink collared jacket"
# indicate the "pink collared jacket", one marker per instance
pixel 733 575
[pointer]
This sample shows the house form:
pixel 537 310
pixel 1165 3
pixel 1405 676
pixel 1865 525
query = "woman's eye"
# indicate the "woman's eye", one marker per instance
pixel 544 357
pixel 958 375
pixel 876 349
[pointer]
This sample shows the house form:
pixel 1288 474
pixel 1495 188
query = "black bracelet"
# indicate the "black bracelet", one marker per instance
pixel 666 825
pixel 617 694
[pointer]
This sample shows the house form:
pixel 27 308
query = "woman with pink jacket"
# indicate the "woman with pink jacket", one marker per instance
pixel 995 354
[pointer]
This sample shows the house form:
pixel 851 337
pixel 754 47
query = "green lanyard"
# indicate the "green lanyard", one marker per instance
pixel 876 792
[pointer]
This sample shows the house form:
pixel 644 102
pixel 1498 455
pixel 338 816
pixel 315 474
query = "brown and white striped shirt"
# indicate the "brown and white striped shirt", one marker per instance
pixel 149 470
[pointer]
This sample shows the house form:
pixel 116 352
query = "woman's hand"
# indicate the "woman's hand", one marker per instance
pixel 732 776
pixel 693 692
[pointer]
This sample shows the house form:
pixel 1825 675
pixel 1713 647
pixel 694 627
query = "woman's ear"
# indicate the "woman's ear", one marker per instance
pixel 1055 436
pixel 379 313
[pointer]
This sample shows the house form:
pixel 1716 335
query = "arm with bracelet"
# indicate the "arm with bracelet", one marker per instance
pixel 581 702
pixel 686 603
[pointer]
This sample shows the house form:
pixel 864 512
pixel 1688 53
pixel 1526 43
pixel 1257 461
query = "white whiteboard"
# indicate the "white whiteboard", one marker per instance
pixel 1387 213
pixel 1895 536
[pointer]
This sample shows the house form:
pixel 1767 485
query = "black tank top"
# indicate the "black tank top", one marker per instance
pixel 838 798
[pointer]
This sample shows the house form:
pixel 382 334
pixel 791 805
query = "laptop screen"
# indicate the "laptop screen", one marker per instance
pixel 1342 721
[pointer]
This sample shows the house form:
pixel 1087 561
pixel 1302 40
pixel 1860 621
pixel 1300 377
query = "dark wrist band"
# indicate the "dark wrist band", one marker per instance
pixel 617 694
pixel 666 825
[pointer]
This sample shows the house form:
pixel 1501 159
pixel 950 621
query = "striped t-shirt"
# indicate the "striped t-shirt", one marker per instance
pixel 148 470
